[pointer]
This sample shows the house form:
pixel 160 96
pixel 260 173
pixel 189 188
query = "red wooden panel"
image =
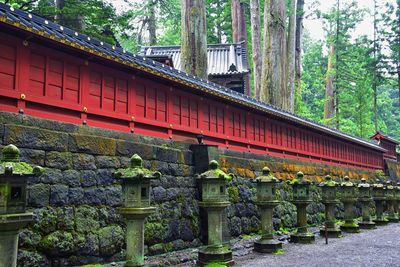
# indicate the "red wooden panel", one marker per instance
pixel 213 118
pixel 108 93
pixel 122 96
pixel 176 100
pixel 194 116
pixel 140 100
pixel 220 120
pixel 7 66
pixel 206 116
pixel 71 93
pixel 151 103
pixel 95 89
pixel 161 106
pixel 252 126
pixel 55 79
pixel 185 113
pixel 243 126
pixel 37 74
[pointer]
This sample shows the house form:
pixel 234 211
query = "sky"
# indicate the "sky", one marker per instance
pixel 314 26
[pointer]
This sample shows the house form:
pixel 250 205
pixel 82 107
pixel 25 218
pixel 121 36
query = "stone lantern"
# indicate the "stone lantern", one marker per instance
pixel 13 216
pixel 214 201
pixel 378 195
pixel 266 201
pixel 397 204
pixel 301 199
pixel 135 207
pixel 348 197
pixel 329 200
pixel 365 198
pixel 391 202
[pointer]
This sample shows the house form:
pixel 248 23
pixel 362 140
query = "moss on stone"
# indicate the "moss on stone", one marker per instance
pixel 233 192
pixel 154 232
pixel 58 242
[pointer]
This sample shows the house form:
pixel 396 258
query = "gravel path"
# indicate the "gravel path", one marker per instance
pixel 379 247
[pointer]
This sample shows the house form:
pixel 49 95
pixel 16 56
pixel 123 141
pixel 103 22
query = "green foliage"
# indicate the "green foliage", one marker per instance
pixel 233 193
pixel 279 252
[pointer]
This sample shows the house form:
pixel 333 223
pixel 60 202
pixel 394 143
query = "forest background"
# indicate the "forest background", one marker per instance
pixel 350 75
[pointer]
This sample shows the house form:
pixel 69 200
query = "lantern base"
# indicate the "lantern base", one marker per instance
pixel 350 228
pixel 133 264
pixel 267 245
pixel 381 222
pixel 215 254
pixel 302 238
pixel 332 232
pixel 367 225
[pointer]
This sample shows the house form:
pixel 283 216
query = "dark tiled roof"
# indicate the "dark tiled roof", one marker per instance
pixel 222 59
pixel 64 36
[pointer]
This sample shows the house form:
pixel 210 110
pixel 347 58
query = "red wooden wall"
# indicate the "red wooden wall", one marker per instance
pixel 55 85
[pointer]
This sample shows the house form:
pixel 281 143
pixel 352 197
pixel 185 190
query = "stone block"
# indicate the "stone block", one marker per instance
pixel 59 160
pixel 88 178
pixel 104 177
pixel 65 219
pixel 33 156
pixel 71 178
pixel 38 195
pixel 75 196
pixel 126 148
pixel 58 195
pixel 107 162
pixel 91 245
pixel 29 239
pixel 158 194
pixel 32 258
pixel 86 219
pixel 58 243
pixel 90 144
pixel 111 240
pixel 35 138
pixel 45 220
pixel 113 196
pixel 94 196
pixel 83 162
pixel 51 176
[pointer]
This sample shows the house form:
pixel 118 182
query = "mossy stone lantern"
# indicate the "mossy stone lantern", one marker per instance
pixel 365 198
pixel 391 202
pixel 348 197
pixel 13 216
pixel 214 201
pixel 266 201
pixel 329 188
pixel 379 197
pixel 136 206
pixel 301 199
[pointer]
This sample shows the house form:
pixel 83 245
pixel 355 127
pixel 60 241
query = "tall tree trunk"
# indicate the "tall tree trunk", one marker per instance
pixel 329 109
pixel 374 78
pixel 299 39
pixel 242 37
pixel 235 6
pixel 256 44
pixel 194 38
pixel 152 22
pixel 337 89
pixel 273 77
pixel 291 51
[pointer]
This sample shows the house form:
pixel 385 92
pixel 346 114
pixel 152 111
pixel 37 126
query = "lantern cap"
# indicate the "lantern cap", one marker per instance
pixel 364 183
pixel 346 182
pixel 10 163
pixel 300 179
pixel 378 186
pixel 266 176
pixel 328 182
pixel 136 170
pixel 214 172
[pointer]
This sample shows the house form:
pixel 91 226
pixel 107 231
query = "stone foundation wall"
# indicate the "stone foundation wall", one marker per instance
pixel 74 201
